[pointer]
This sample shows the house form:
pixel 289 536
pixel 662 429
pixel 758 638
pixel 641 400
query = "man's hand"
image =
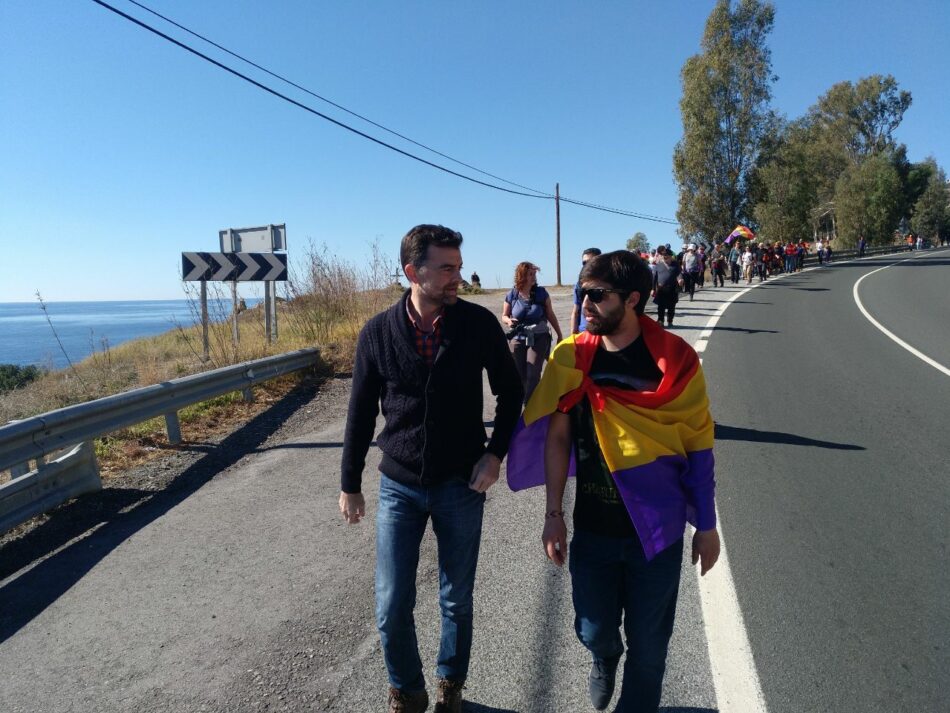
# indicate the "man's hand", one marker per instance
pixel 485 473
pixel 706 549
pixel 554 538
pixel 353 507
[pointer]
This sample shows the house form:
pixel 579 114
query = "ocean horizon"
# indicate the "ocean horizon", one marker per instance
pixel 26 336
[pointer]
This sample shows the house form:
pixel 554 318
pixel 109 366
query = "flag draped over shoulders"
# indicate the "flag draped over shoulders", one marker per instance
pixel 657 444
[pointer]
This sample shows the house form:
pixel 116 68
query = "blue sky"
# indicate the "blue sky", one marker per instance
pixel 120 151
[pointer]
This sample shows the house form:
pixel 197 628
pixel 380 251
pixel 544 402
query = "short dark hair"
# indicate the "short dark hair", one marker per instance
pixel 624 271
pixel 593 252
pixel 415 244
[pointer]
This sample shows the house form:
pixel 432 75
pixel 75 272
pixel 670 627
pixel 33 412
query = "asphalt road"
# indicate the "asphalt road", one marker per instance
pixel 243 590
pixel 833 492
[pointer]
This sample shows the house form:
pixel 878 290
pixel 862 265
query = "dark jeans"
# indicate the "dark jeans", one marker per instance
pixel 666 313
pixel 734 272
pixel 719 276
pixel 456 512
pixel 612 581
pixel 530 360
pixel 690 279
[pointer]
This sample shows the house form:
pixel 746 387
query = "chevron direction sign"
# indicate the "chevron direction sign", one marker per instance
pixel 240 267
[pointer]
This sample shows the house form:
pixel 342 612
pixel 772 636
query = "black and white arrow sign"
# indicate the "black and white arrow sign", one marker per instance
pixel 242 267
pixel 193 267
pixel 260 266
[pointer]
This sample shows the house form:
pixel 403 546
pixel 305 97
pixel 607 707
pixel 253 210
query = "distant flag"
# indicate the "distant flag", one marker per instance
pixel 742 233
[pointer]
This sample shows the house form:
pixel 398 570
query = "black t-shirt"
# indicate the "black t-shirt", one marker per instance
pixel 597 506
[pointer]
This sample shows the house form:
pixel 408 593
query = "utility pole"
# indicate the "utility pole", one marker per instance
pixel 557 219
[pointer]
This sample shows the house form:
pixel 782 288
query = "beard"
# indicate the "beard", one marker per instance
pixel 450 298
pixel 446 296
pixel 605 323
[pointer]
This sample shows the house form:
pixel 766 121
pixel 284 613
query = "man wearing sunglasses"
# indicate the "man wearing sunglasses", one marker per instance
pixel 641 434
pixel 423 358
pixel 578 323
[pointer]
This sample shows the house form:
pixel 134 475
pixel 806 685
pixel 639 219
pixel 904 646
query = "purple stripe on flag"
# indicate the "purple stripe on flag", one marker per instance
pixel 656 499
pixel 525 466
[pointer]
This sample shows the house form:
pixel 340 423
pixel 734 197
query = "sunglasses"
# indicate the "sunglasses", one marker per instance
pixel 597 294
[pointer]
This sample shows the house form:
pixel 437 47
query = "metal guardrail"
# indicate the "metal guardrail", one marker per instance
pixel 812 258
pixel 33 438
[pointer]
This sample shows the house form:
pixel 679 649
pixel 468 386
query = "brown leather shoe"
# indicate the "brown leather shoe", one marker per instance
pixel 407 701
pixel 449 697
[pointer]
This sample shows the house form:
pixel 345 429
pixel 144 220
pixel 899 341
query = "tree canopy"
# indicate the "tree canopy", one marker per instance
pixel 840 160
pixel 726 118
pixel 931 212
pixel 836 171
pixel 638 243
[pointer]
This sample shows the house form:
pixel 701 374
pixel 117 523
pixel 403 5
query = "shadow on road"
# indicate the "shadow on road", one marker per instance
pixel 112 516
pixel 913 262
pixel 744 330
pixel 469 707
pixel 734 433
pixel 323 444
pixel 687 709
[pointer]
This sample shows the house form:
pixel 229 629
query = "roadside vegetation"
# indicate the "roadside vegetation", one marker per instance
pixel 14 377
pixel 835 172
pixel 327 301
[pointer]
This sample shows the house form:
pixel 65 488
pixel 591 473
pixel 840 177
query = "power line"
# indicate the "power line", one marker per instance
pixel 534 192
pixel 333 103
pixel 296 103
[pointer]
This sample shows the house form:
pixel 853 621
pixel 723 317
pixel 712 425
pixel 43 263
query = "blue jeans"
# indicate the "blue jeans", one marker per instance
pixel 612 580
pixel 456 513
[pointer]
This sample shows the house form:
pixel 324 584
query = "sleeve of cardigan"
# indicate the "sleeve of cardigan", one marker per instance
pixel 505 385
pixel 361 416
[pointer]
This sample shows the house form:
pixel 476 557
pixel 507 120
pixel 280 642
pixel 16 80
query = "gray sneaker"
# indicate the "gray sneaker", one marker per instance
pixel 407 701
pixel 600 682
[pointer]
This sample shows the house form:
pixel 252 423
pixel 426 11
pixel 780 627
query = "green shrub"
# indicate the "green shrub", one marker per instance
pixel 13 376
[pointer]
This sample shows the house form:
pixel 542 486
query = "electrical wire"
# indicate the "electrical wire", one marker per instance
pixel 533 194
pixel 296 103
pixel 334 104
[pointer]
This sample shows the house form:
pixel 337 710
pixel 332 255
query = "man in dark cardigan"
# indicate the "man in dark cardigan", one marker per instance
pixel 423 359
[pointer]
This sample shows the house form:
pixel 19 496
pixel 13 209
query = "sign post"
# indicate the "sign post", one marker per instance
pixel 263 239
pixel 234 314
pixel 205 355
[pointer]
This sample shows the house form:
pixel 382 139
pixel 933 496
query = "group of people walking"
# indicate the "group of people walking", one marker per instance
pixel 681 273
pixel 615 378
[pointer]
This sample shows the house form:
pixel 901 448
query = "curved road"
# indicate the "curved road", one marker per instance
pixel 236 586
pixel 834 494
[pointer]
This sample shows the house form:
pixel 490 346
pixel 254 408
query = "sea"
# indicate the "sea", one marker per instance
pixel 28 337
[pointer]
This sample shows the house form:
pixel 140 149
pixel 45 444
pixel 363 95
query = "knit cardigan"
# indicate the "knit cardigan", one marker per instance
pixel 434 429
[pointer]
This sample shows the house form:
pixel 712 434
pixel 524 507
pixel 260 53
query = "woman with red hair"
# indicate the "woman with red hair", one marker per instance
pixel 527 314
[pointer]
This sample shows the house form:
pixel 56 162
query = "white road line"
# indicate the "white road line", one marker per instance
pixel 920 355
pixel 730 656
pixel 734 675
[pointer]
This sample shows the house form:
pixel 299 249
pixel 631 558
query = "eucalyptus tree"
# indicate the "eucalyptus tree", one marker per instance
pixel 638 243
pixel 868 200
pixel 931 212
pixel 727 89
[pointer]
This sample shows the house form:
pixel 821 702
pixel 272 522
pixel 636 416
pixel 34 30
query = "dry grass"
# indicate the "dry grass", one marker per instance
pixel 328 301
